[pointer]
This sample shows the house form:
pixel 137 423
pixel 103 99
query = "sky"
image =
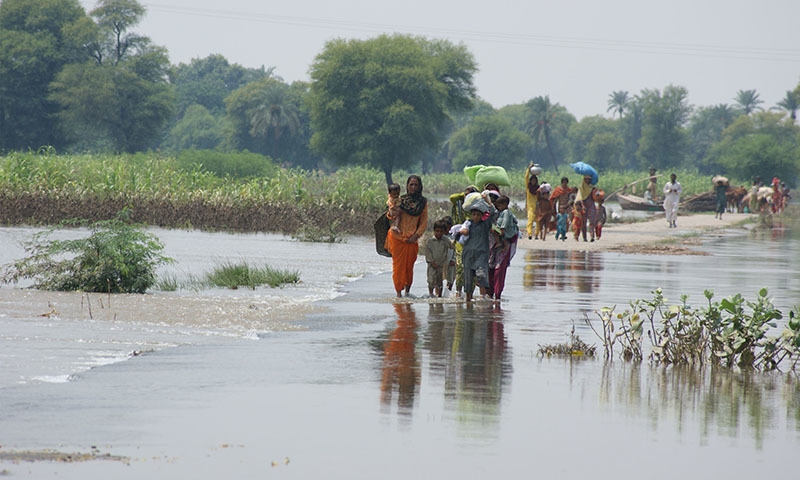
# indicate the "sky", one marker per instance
pixel 575 51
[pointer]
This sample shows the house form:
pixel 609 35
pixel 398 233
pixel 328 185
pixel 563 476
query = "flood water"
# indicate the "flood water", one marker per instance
pixel 334 379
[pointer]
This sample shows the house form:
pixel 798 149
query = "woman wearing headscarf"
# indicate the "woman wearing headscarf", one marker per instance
pixel 404 244
pixel 531 197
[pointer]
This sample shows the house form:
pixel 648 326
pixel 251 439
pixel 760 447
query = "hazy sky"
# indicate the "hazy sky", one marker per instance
pixel 577 52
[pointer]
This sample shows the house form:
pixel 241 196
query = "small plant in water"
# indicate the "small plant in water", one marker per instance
pixel 731 332
pixel 235 275
pixel 117 257
pixel 575 347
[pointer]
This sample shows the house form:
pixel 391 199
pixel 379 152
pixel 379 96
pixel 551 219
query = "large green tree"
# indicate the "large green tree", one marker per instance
pixel 198 129
pixel 37 39
pixel 705 130
pixel 618 102
pixel 385 100
pixel 207 81
pixel 268 117
pixel 790 103
pixel 121 99
pixel 489 140
pixel 664 142
pixel 596 141
pixel 764 144
pixel 548 124
pixel 748 101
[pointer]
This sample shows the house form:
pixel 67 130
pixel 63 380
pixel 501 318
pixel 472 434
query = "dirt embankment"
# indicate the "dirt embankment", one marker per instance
pixel 651 237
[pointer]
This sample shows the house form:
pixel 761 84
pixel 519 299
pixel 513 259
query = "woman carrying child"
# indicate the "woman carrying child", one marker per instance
pixel 403 244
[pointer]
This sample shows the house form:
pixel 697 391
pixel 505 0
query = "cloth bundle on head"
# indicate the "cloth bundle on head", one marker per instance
pixel 719 178
pixel 764 192
pixel 586 170
pixel 545 188
pixel 482 174
pixel 474 201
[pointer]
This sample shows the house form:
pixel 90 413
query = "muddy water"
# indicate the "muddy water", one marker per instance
pixel 347 383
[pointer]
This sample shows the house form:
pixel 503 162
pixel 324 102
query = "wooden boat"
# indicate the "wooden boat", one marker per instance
pixel 631 202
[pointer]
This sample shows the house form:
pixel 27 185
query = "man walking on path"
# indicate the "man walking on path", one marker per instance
pixel 672 195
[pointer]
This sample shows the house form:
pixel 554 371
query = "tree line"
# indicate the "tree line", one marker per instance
pixel 86 82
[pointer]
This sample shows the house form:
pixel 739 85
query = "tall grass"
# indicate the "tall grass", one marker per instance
pixel 45 188
pixel 241 274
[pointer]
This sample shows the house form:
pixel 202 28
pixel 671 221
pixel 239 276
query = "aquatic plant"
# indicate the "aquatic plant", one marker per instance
pixel 116 257
pixel 731 332
pixel 241 274
pixel 575 347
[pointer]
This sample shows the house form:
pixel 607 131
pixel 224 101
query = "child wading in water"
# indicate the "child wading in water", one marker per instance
pixel 393 201
pixel 475 255
pixel 437 254
pixel 506 233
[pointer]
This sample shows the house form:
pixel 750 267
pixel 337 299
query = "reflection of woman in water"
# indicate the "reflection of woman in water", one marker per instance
pixel 400 363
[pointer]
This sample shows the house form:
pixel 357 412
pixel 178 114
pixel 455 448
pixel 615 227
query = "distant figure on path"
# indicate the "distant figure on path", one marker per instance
pixel 672 195
pixel 720 194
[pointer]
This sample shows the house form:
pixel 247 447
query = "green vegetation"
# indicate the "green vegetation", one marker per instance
pixel 117 257
pixel 81 82
pixel 241 274
pixel 729 333
pixel 45 189
pixel 575 347
pixel 384 101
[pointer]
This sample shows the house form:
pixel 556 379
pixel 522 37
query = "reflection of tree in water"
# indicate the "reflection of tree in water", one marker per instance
pixel 562 270
pixel 400 362
pixel 720 401
pixel 469 351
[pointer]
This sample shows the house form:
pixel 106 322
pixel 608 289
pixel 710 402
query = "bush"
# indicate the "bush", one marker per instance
pixel 227 164
pixel 117 257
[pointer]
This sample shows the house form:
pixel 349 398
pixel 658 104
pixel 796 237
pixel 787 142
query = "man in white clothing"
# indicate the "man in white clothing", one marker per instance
pixel 672 195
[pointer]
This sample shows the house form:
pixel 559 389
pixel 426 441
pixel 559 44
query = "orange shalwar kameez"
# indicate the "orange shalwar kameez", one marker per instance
pixel 404 254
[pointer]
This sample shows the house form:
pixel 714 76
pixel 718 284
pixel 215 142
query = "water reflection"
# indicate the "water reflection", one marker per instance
pixel 562 270
pixel 714 401
pixel 469 352
pixel 468 357
pixel 401 371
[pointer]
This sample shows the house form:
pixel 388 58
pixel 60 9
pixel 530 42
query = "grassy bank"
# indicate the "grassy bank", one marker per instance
pixel 45 189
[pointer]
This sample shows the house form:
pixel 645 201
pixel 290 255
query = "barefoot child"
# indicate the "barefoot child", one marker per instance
pixel 437 254
pixel 450 267
pixel 475 254
pixel 506 231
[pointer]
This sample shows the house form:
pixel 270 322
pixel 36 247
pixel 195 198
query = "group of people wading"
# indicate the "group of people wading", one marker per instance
pixel 472 247
pixel 580 210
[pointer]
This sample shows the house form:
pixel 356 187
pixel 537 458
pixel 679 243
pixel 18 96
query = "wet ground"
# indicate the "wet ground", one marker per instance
pixel 356 385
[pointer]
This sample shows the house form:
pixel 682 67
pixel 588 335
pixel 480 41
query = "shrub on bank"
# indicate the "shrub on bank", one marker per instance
pixel 117 257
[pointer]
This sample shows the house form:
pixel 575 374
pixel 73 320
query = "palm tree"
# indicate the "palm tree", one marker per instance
pixel 542 114
pixel 790 103
pixel 275 115
pixel 618 101
pixel 748 101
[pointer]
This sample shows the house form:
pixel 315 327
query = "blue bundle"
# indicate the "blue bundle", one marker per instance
pixel 584 169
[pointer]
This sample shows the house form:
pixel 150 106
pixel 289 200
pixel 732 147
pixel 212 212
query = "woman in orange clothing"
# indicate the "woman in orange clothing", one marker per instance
pixel 403 245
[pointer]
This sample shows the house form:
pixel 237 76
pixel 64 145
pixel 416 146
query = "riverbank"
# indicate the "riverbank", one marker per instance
pixel 652 236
